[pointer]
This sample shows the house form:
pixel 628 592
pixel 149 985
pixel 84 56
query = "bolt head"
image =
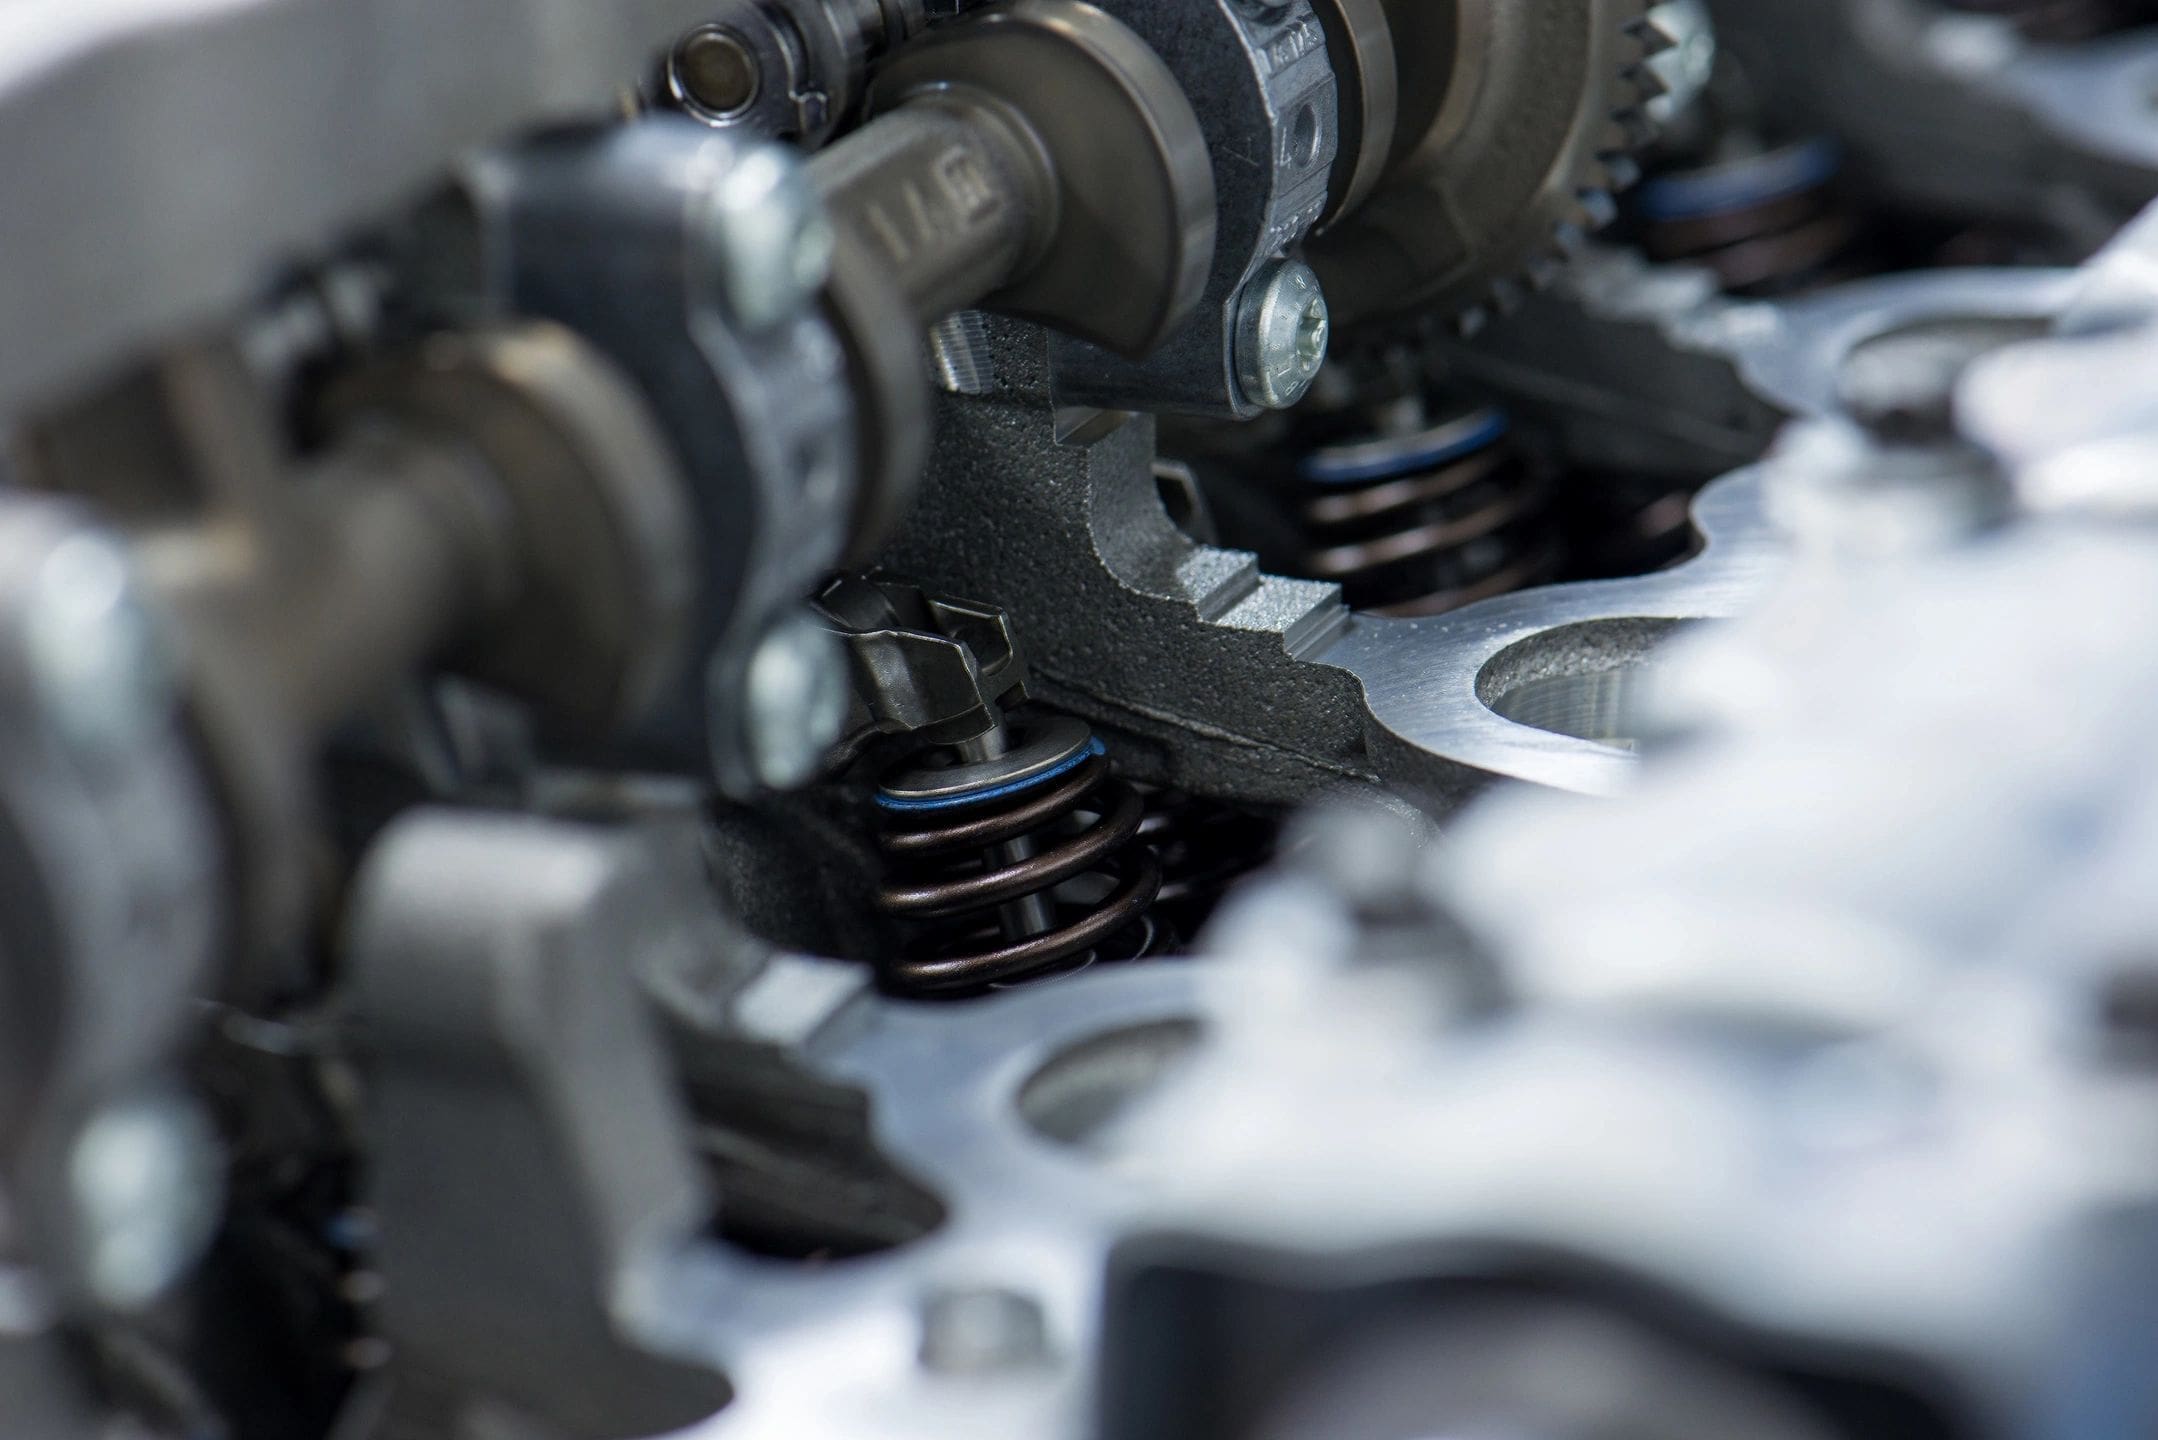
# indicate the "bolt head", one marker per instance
pixel 95 651
pixel 767 240
pixel 1283 330
pixel 795 702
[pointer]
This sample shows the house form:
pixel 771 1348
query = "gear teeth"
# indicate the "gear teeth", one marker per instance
pixel 1598 163
pixel 1624 132
pixel 1637 130
pixel 1653 37
pixel 1637 85
pixel 1626 129
pixel 1647 84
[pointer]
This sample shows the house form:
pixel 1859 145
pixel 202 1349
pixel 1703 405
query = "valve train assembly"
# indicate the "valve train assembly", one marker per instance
pixel 1078 720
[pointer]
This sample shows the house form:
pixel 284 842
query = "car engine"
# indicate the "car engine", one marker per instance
pixel 1078 719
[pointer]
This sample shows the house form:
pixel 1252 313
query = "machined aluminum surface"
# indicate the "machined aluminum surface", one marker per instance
pixel 1568 655
pixel 1439 685
pixel 837 1352
pixel 1793 355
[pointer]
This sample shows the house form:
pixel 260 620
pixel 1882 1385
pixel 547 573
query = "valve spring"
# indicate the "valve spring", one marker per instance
pixel 1426 521
pixel 1012 858
pixel 2064 21
pixel 1768 223
pixel 1205 846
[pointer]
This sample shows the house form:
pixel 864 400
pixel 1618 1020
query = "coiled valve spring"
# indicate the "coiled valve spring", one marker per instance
pixel 1205 847
pixel 1767 223
pixel 1427 520
pixel 1012 857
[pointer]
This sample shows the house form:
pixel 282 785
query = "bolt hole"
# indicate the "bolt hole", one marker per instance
pixel 1304 137
pixel 1585 681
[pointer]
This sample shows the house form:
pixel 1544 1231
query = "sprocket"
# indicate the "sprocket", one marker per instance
pixel 1517 123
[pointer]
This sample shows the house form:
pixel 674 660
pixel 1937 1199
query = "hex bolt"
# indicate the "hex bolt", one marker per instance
pixel 95 652
pixel 979 1330
pixel 715 70
pixel 794 702
pixel 1282 330
pixel 145 1181
pixel 768 239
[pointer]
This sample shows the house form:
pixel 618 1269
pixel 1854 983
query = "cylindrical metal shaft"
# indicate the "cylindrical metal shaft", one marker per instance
pixel 390 546
pixel 410 544
pixel 953 194
pixel 1029 915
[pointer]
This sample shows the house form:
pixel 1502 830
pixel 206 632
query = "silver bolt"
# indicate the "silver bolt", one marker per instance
pixel 979 1329
pixel 94 651
pixel 144 1175
pixel 768 239
pixel 1282 330
pixel 795 702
